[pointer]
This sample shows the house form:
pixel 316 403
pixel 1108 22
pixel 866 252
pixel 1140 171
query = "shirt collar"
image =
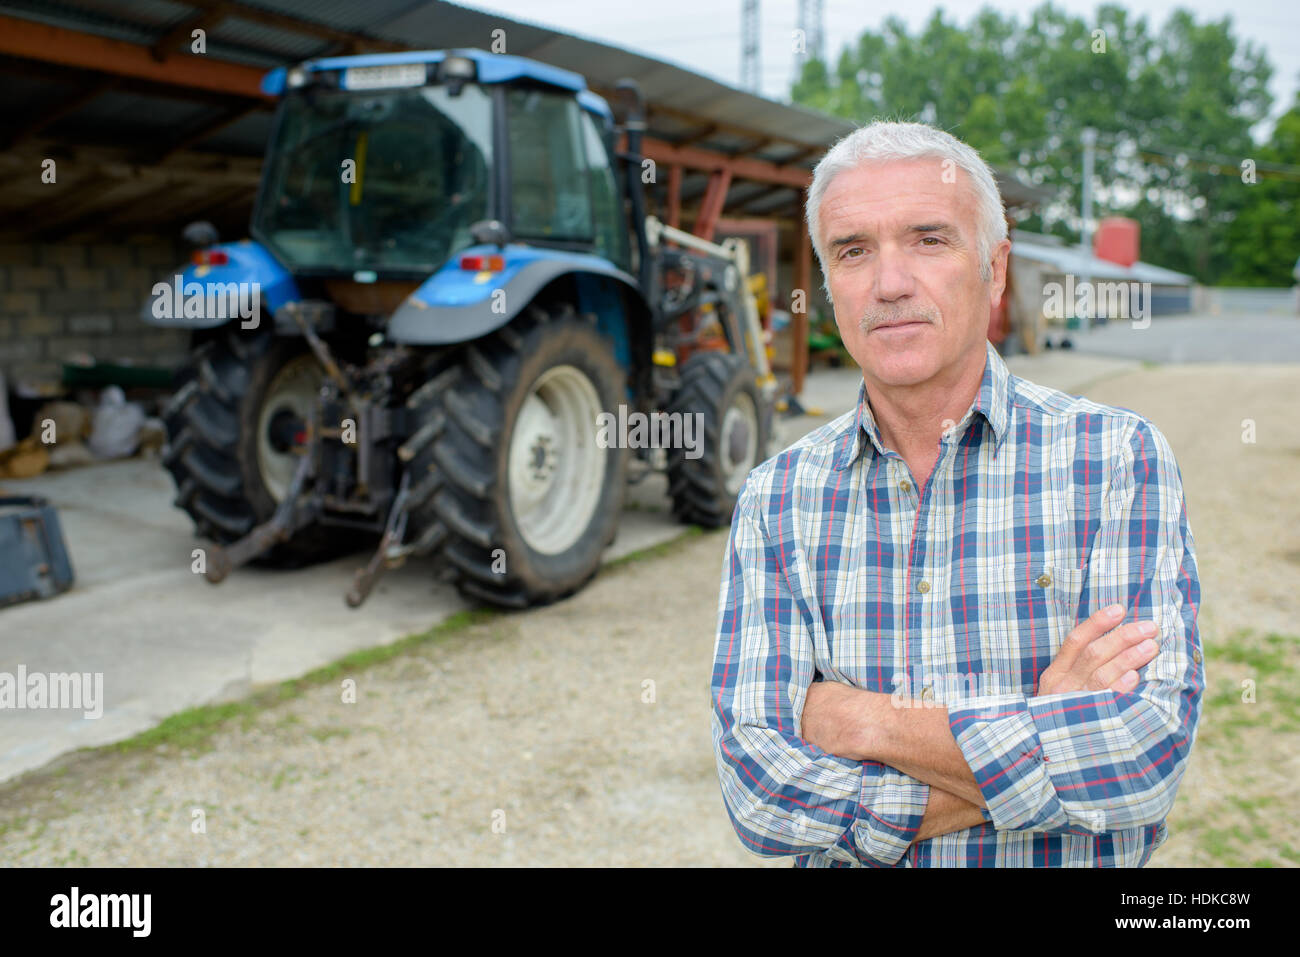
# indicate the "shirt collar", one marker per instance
pixel 993 401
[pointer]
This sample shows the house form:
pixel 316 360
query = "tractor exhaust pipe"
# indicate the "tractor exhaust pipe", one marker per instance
pixel 634 126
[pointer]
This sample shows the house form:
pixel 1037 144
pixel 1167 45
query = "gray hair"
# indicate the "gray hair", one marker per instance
pixel 884 140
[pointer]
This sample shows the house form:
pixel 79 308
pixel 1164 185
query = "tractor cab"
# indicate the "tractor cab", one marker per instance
pixel 379 166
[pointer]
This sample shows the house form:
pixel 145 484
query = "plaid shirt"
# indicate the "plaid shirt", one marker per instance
pixel 1042 508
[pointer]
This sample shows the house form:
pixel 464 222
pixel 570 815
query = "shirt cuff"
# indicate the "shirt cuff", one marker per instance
pixel 999 740
pixel 889 813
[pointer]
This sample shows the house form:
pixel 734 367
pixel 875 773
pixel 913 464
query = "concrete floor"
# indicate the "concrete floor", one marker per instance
pixel 166 640
pixel 1227 338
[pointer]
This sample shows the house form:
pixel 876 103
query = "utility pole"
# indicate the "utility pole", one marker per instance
pixel 1089 142
pixel 751 71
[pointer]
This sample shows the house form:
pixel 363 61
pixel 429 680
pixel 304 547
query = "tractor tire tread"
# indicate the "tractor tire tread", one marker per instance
pixel 697 490
pixel 472 393
pixel 204 423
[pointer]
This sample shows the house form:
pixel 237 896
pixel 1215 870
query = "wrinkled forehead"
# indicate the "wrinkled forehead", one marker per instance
pixel 881 194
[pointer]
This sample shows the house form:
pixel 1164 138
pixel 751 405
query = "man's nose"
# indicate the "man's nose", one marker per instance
pixel 893 274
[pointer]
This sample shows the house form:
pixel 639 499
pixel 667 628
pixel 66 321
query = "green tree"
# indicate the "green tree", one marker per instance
pixel 1263 240
pixel 1022 93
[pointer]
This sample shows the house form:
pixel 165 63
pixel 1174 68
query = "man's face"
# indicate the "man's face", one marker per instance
pixel 904 272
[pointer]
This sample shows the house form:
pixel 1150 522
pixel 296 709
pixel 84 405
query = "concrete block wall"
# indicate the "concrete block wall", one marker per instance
pixel 60 299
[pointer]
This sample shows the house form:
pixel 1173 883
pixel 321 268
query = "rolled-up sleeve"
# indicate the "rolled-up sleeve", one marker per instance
pixel 784 795
pixel 1102 761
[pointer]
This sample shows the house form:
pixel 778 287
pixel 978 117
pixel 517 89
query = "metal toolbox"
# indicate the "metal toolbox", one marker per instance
pixel 33 559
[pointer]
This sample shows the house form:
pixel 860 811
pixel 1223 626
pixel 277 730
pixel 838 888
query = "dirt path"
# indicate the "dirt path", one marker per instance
pixel 534 739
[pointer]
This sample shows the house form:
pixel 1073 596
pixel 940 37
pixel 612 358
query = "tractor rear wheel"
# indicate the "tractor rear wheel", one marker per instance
pixel 720 387
pixel 506 459
pixel 236 429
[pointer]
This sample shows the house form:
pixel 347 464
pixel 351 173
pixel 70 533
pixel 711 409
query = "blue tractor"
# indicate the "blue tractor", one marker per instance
pixel 451 321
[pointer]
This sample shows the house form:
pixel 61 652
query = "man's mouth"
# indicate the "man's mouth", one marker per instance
pixel 899 324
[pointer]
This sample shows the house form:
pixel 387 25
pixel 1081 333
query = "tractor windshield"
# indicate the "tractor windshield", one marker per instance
pixel 387 180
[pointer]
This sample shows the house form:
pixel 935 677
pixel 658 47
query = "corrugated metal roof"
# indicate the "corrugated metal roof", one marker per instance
pixel 274 46
pixel 684 106
pixel 346 15
pixel 135 22
pixel 745 121
pixel 440 25
pixel 1074 261
pixel 445 24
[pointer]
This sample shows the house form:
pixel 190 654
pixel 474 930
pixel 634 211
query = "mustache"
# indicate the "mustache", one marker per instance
pixel 884 315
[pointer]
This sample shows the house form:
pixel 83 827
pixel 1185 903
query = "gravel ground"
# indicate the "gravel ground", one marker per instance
pixel 535 738
pixel 1239 802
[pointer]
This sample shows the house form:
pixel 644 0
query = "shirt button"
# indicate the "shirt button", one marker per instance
pixel 927 694
pixel 1196 655
pixel 923 587
pixel 905 485
pixel 1044 580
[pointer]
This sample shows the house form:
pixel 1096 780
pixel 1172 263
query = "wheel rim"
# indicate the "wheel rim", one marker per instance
pixel 292 392
pixel 738 442
pixel 556 470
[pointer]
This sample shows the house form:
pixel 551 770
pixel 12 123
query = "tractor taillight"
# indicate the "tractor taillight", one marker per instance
pixel 210 257
pixel 482 263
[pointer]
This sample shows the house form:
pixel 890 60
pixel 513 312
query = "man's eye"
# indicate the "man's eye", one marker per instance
pixel 849 253
pixel 932 239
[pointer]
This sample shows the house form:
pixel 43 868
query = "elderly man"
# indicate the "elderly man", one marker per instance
pixel 957 625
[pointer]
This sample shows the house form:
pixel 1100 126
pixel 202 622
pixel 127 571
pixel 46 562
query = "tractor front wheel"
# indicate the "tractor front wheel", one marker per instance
pixel 705 483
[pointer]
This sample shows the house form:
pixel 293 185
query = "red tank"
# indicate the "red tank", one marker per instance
pixel 1117 240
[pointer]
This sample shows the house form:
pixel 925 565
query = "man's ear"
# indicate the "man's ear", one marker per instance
pixel 998 285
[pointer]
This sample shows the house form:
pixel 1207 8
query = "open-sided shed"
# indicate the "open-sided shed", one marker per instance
pixel 120 126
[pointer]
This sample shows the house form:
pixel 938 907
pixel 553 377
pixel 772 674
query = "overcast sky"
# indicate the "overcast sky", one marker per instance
pixel 704 35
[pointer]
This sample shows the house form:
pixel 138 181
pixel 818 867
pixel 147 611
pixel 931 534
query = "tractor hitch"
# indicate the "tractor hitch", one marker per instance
pixel 392 553
pixel 289 517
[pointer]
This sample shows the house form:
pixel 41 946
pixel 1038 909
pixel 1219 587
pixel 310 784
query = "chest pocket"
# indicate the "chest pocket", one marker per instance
pixel 1026 616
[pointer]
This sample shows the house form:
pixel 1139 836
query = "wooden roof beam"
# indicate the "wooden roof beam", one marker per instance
pixel 711 206
pixel 204 20
pixel 49 44
pixel 81 78
pixel 741 167
pixel 682 116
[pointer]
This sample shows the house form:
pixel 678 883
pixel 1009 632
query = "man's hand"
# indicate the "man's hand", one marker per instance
pixel 1096 658
pixel 832 716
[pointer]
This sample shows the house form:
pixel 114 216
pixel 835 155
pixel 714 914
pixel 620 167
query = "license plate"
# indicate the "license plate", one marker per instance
pixel 379 77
